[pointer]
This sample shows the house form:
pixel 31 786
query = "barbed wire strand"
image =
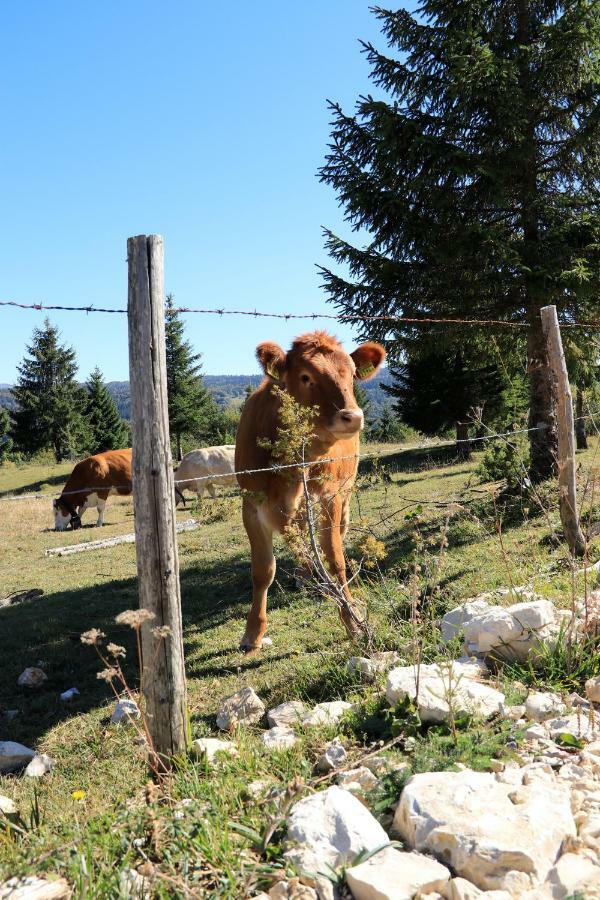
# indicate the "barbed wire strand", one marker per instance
pixel 281 466
pixel 353 317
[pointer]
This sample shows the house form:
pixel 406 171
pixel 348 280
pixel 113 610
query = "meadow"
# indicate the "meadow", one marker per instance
pixel 446 537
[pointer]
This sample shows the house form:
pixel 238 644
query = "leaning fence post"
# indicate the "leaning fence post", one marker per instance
pixel 163 674
pixel 567 491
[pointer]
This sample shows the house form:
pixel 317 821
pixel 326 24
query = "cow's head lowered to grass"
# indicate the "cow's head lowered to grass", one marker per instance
pixel 317 371
pixel 65 515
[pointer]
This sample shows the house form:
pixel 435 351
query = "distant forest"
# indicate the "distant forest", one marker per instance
pixel 228 391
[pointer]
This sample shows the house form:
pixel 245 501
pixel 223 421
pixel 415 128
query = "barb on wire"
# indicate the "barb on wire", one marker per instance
pixel 351 317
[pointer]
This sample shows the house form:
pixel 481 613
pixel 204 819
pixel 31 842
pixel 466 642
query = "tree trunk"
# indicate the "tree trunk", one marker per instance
pixel 463 445
pixel 580 434
pixel 179 453
pixel 543 442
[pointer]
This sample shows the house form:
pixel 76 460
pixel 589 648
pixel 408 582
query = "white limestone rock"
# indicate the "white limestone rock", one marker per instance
pixel 32 677
pixel 7 806
pixel 513 712
pixel 290 713
pixel 244 707
pixel 438 684
pixel 485 829
pixel 394 875
pixel 592 689
pixel 292 890
pixel 31 887
pixel 543 705
pixel 536 732
pixel 574 874
pixel 461 889
pixel 280 737
pixel 134 885
pixel 209 747
pixel 259 787
pixel 359 780
pixel 453 622
pixel 40 765
pixel 334 756
pixel 588 613
pixel 124 712
pixel 371 666
pixel 14 756
pixel 511 632
pixel 329 829
pixel 578 725
pixel 327 713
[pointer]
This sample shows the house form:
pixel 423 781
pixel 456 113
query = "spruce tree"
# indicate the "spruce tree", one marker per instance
pixel 50 403
pixel 388 429
pixel 477 180
pixel 192 411
pixel 107 429
pixel 5 439
pixel 444 387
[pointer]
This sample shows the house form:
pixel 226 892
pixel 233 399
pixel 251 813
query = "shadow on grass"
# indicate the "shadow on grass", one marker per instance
pixel 47 630
pixel 35 486
pixel 414 460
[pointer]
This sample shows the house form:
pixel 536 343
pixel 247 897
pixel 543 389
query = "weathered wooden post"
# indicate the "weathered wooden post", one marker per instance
pixel 569 513
pixel 163 673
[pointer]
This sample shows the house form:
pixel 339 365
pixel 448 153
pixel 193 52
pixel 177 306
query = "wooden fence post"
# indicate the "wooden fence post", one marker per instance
pixel 569 513
pixel 163 674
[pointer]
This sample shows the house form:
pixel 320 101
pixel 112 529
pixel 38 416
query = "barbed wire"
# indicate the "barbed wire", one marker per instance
pixel 282 466
pixel 258 314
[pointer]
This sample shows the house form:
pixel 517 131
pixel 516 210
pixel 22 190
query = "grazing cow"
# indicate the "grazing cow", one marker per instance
pixel 89 484
pixel 316 372
pixel 197 467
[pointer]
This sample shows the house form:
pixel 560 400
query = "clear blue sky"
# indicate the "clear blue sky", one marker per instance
pixel 203 122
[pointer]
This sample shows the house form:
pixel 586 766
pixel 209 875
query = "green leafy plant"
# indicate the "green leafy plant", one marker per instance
pixel 564 663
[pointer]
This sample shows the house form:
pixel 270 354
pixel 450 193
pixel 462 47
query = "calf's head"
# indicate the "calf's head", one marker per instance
pixel 317 371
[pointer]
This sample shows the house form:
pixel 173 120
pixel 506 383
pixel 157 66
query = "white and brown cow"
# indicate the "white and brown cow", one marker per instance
pixel 89 484
pixel 205 469
pixel 317 371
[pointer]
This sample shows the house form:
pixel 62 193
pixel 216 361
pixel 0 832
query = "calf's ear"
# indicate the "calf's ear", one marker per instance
pixel 272 359
pixel 367 359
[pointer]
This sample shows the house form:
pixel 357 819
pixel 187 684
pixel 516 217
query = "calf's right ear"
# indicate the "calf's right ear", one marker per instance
pixel 272 359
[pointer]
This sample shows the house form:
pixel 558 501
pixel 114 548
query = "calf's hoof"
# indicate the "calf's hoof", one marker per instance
pixel 247 645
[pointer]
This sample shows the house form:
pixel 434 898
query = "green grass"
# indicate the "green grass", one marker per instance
pixel 213 847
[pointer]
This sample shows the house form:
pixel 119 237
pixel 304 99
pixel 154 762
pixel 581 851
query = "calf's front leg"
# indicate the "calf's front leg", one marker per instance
pixel 260 535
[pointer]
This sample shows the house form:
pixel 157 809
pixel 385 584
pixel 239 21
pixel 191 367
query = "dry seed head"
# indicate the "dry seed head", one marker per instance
pixel 107 674
pixel 135 618
pixel 93 636
pixel 162 631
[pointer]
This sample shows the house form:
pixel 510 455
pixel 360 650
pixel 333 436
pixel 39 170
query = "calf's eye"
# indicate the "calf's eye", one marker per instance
pixel 305 379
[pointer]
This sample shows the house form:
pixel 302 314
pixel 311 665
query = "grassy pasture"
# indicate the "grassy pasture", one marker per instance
pixel 200 854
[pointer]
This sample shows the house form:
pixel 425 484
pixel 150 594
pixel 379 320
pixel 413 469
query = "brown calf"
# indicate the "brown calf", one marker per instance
pixel 316 372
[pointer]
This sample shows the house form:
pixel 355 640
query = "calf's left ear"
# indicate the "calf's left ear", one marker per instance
pixel 367 359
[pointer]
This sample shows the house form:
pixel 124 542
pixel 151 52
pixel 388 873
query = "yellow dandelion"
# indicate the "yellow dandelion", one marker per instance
pixel 78 796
